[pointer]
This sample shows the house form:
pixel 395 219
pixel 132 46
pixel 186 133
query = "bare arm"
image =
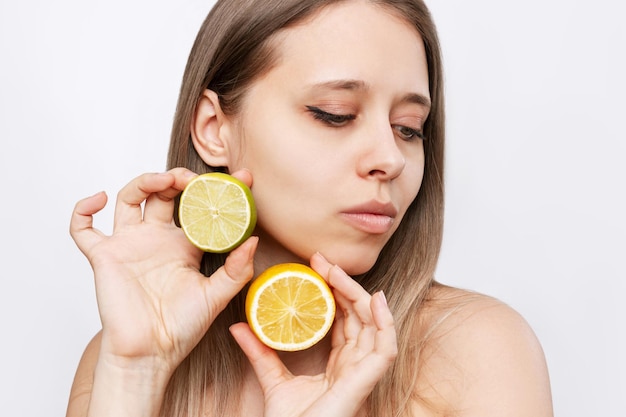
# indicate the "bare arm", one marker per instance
pixel 117 391
pixel 83 380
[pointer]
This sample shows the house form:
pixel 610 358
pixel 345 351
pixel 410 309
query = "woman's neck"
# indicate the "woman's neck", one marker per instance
pixel 270 252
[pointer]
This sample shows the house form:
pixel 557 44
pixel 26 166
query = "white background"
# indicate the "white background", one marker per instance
pixel 535 172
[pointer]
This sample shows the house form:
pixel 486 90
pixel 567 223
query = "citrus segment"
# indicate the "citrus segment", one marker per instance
pixel 290 307
pixel 216 212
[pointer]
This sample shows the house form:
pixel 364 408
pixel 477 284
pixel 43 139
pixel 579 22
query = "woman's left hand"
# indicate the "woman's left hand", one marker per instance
pixel 363 347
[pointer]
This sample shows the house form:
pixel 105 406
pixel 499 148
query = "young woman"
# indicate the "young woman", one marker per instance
pixel 333 112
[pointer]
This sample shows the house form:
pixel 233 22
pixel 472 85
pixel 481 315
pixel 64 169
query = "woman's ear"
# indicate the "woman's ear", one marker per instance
pixel 209 130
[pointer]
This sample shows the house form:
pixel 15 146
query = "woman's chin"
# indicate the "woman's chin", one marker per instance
pixel 354 267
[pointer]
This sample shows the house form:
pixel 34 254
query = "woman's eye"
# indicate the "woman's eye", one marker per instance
pixel 408 133
pixel 332 119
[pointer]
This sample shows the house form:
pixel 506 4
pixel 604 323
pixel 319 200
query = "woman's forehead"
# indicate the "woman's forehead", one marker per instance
pixel 353 41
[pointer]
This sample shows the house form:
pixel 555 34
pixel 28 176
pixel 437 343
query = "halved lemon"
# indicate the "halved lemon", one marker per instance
pixel 217 212
pixel 290 307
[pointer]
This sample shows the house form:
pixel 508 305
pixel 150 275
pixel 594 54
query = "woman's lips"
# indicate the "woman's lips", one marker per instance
pixel 369 222
pixel 373 217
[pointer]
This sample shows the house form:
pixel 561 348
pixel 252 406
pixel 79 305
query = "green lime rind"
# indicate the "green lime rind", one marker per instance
pixel 189 228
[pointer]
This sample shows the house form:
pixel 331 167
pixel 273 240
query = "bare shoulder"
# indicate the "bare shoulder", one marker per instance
pixel 80 393
pixel 480 358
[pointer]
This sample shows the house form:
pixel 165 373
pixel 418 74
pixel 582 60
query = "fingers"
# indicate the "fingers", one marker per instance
pixel 267 366
pixel 351 298
pixel 229 279
pixel 368 333
pixel 159 207
pixel 157 190
pixel 383 349
pixel 128 209
pixel 321 265
pixel 362 320
pixel 359 328
pixel 386 339
pixel 244 176
pixel 81 223
pixel 338 337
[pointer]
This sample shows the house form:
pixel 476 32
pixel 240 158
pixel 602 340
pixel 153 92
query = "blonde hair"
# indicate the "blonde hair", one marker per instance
pixel 233 48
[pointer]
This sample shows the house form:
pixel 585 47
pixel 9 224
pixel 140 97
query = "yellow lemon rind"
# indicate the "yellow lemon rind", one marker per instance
pixel 270 276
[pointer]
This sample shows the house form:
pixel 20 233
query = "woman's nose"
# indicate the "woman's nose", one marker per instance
pixel 381 157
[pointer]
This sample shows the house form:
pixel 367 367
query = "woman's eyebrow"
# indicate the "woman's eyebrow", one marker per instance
pixel 417 98
pixel 358 85
pixel 341 85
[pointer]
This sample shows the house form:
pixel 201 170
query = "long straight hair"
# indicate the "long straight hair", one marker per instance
pixel 232 49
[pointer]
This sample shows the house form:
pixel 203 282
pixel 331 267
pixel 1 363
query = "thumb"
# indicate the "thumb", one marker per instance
pixel 228 280
pixel 268 367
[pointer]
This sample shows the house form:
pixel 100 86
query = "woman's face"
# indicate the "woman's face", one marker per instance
pixel 331 135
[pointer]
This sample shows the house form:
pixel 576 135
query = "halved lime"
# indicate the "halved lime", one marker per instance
pixel 217 212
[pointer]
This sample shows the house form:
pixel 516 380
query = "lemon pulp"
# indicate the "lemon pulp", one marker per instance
pixel 217 212
pixel 290 307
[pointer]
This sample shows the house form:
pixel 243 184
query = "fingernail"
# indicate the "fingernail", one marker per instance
pixel 383 298
pixel 254 241
pixel 321 256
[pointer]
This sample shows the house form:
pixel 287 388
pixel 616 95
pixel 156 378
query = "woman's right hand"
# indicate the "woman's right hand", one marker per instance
pixel 154 304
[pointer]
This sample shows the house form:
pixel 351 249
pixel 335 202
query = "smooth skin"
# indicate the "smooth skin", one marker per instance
pixel 148 271
pixel 311 175
pixel 330 192
pixel 172 305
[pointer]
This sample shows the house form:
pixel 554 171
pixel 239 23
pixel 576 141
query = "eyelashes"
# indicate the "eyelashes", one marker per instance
pixel 408 133
pixel 339 120
pixel 330 118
